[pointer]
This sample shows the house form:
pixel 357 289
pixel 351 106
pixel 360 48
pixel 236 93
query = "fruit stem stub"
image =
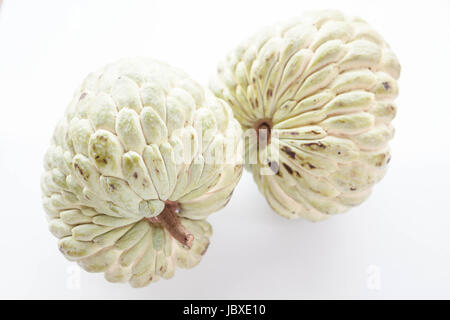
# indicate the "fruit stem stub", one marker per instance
pixel 263 133
pixel 169 219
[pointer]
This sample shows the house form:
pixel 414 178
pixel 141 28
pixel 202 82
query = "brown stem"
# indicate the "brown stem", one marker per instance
pixel 263 132
pixel 169 219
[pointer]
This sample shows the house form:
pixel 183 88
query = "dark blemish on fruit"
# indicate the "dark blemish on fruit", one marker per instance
pixel 135 175
pixel 289 152
pixel 339 153
pixel 311 166
pixel 294 133
pixel 83 95
pixel 112 186
pixel 380 161
pixel 289 169
pixel 298 174
pixel 386 85
pixel 352 188
pixel 315 145
pixel 77 167
pixel 254 80
pixel 269 93
pixel 315 132
pixel 105 161
pixel 273 166
pixel 388 160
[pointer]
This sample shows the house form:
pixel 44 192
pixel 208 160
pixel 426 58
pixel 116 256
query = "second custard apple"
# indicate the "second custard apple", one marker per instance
pixel 322 88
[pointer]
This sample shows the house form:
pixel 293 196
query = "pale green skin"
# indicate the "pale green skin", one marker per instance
pixel 111 165
pixel 327 83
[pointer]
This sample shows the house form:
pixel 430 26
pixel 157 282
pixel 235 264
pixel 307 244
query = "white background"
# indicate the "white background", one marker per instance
pixel 400 236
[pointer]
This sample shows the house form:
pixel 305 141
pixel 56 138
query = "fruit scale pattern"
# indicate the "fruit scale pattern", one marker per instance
pixel 324 85
pixel 112 168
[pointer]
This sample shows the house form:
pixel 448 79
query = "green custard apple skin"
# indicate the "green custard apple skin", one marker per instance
pixel 113 168
pixel 323 85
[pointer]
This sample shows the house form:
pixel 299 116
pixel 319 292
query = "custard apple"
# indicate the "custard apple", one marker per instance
pixel 139 161
pixel 319 89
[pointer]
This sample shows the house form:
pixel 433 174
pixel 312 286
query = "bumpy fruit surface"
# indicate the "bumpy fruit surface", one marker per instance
pixel 135 167
pixel 323 85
